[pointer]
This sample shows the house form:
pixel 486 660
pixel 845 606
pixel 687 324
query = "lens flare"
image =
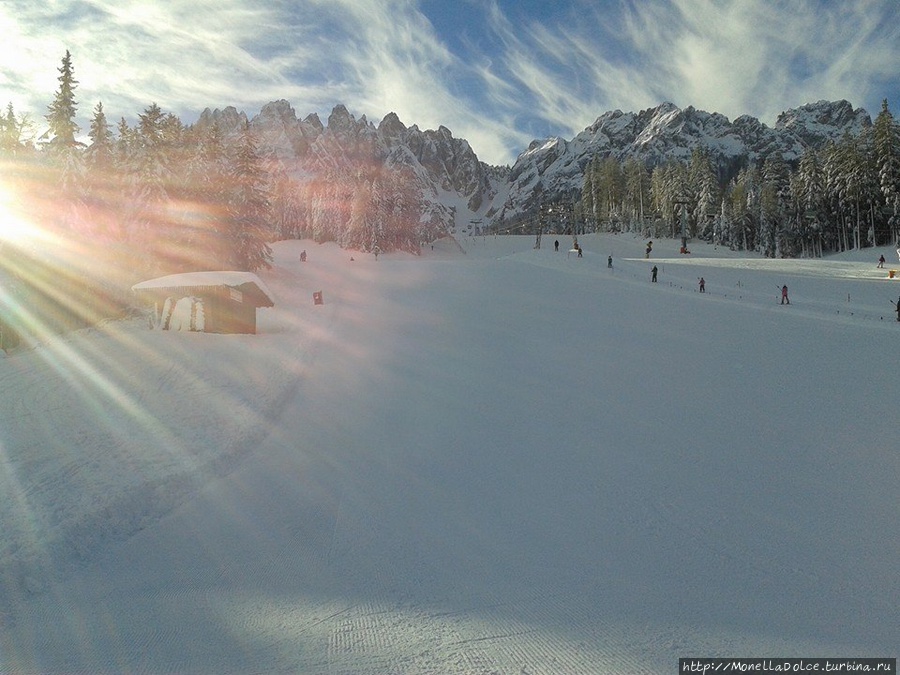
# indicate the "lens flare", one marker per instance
pixel 14 229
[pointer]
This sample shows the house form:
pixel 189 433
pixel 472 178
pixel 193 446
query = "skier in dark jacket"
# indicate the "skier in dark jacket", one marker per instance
pixel 784 296
pixel 898 309
pixel 653 274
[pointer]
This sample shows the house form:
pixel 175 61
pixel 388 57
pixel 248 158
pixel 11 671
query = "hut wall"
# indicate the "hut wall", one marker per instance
pixel 226 312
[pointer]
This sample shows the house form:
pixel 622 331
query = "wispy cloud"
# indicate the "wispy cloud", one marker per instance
pixel 183 55
pixel 392 60
pixel 733 56
pixel 506 76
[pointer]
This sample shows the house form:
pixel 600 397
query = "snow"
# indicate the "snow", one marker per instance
pixel 508 461
pixel 231 278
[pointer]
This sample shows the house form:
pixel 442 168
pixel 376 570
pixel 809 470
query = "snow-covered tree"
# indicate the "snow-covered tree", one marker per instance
pixel 668 188
pixel 13 141
pixel 856 186
pixel 637 192
pixel 744 204
pixel 151 174
pixel 703 192
pixel 286 212
pixel 99 154
pixel 61 116
pixel 809 206
pixel 247 229
pixel 610 192
pixel 63 150
pixel 588 210
pixel 773 198
pixel 886 141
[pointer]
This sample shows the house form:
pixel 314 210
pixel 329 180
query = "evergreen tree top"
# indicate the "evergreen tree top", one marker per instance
pixel 61 116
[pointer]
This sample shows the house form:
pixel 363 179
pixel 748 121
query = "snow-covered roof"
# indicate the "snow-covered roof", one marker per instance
pixel 231 279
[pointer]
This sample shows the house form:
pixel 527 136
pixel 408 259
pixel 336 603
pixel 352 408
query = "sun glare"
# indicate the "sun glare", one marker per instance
pixel 14 229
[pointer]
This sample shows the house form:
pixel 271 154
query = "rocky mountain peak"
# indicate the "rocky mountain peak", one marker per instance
pixel 340 119
pixel 554 169
pixel 391 127
pixel 278 110
pixel 814 124
pixel 312 121
pixel 227 119
pixel 455 187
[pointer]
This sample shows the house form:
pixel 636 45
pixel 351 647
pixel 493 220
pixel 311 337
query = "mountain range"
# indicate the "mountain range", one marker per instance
pixel 465 194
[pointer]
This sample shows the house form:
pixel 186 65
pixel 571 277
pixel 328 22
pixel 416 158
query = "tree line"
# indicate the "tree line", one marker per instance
pixel 164 196
pixel 173 197
pixel 845 195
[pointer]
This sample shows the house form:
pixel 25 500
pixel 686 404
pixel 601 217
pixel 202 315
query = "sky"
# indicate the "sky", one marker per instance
pixel 499 73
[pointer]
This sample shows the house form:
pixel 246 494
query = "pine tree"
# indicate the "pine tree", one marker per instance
pixel 286 213
pixel 886 140
pixel 774 194
pixel 64 151
pixel 359 234
pixel 587 197
pixel 637 192
pixel 835 231
pixel 870 197
pixel 703 194
pixel 745 209
pixel 201 188
pixel 247 227
pixel 62 111
pixel 102 190
pixel 612 185
pixel 12 130
pixel 151 172
pixel 668 189
pixel 807 195
pixel 99 154
pixel 856 186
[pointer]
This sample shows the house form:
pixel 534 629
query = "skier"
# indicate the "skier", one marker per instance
pixel 650 248
pixel 881 261
pixel 653 274
pixel 578 248
pixel 898 309
pixel 702 285
pixel 556 245
pixel 784 296
pixel 609 262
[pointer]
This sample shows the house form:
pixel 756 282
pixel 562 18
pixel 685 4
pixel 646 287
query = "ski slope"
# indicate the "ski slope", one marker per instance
pixel 502 460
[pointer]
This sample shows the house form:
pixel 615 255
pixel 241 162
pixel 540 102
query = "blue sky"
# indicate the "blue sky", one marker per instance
pixel 498 73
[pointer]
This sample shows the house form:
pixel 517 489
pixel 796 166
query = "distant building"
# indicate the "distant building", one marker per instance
pixel 212 302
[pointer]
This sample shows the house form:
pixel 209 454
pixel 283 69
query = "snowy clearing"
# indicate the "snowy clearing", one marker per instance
pixel 494 460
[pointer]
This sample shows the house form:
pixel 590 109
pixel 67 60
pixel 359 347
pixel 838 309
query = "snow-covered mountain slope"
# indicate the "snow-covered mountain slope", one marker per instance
pixel 553 169
pixel 457 190
pixel 452 185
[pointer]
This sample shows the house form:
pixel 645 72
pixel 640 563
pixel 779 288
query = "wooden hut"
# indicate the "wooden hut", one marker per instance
pixel 218 302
